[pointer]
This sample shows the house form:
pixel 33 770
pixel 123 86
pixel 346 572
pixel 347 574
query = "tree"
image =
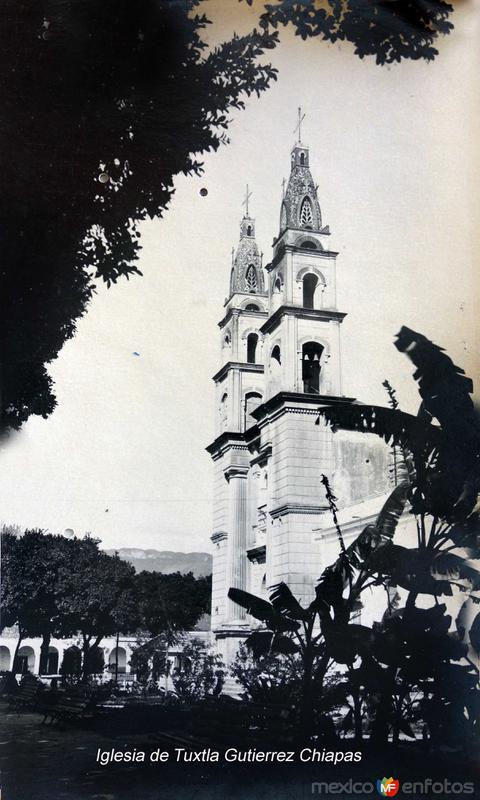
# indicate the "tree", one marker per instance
pixel 170 604
pixel 103 103
pixel 30 570
pixel 91 590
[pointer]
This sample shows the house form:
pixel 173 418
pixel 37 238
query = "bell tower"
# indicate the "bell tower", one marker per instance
pixel 302 333
pixel 301 351
pixel 239 390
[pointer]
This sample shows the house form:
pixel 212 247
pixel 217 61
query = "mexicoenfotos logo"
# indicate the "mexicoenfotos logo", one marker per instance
pixel 388 787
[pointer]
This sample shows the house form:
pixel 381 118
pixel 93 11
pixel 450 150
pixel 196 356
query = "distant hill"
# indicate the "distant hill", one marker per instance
pixel 166 560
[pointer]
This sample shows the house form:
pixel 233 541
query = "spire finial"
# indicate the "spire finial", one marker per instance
pixel 245 202
pixel 298 126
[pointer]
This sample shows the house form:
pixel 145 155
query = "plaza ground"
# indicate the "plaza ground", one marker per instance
pixel 39 762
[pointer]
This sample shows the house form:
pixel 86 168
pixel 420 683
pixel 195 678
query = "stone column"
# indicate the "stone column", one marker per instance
pixel 236 566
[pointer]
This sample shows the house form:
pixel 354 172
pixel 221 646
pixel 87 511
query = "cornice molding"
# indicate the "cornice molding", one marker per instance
pixel 283 248
pixel 322 314
pixel 225 441
pixel 240 365
pixel 297 508
pixel 262 457
pixel 232 630
pixel 218 536
pixel 295 402
pixel 237 312
pixel 257 555
pixel 236 471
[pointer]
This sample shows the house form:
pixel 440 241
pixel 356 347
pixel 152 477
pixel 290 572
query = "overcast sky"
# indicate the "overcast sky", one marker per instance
pixel 394 151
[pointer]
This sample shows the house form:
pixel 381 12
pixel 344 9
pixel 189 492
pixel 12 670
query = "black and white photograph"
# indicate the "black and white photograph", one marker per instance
pixel 239 419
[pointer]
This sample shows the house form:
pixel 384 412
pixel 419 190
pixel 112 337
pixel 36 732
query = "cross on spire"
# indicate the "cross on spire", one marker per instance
pixel 245 202
pixel 298 126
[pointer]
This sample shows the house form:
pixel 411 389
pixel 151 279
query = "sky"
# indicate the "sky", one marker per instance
pixel 394 152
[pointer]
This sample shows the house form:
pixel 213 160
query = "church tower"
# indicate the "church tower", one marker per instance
pixel 239 390
pixel 280 362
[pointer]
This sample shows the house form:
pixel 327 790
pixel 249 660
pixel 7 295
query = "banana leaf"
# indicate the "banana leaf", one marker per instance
pixel 283 601
pixel 261 643
pixel 444 388
pixel 393 426
pixel 262 610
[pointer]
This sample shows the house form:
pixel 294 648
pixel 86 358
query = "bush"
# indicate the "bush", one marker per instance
pixel 200 674
pixel 270 679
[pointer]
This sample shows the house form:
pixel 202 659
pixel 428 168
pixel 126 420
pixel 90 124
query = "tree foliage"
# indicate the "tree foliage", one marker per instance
pixel 170 604
pixel 53 586
pixel 404 29
pixel 103 104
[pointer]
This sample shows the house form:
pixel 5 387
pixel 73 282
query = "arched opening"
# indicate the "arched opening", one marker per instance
pixel 122 660
pixel 71 662
pixel 306 213
pixel 249 230
pixel 276 356
pixel 251 280
pixel 309 245
pixel 252 307
pixel 51 665
pixel 252 342
pixel 310 282
pixel 224 412
pixel 302 159
pixel 311 356
pixel 226 340
pixel 278 285
pixel 25 661
pixel 5 658
pixel 252 401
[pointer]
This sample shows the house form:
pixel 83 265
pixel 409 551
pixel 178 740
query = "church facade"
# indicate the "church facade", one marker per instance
pixel 280 342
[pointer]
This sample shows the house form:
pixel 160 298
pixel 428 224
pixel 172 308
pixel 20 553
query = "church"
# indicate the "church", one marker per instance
pixel 281 345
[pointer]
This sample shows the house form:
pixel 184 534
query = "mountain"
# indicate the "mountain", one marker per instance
pixel 166 560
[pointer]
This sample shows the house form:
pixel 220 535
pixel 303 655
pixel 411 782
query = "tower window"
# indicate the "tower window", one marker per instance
pixel 306 213
pixel 249 230
pixel 311 355
pixel 252 401
pixel 226 340
pixel 224 412
pixel 252 342
pixel 310 282
pixel 276 354
pixel 251 278
pixel 252 307
pixel 309 245
pixel 302 159
pixel 277 287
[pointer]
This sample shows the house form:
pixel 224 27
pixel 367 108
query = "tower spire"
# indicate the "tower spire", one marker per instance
pixel 245 202
pixel 298 126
